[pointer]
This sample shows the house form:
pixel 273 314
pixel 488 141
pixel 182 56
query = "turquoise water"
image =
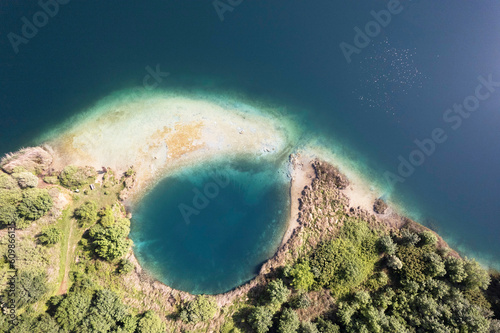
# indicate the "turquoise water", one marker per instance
pixel 208 229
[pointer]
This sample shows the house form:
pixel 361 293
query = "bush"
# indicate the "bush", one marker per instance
pixel 35 203
pixel 289 321
pixel 125 266
pixel 387 245
pixel 377 281
pixel 50 236
pixel 301 301
pixel 107 217
pixel 202 308
pixel 394 263
pixel 308 327
pixel 8 214
pixel 428 238
pixel 409 238
pixel 261 319
pixel 7 182
pixel 150 323
pixel 53 180
pixel 74 177
pixel 435 265
pixel 25 179
pixel 277 292
pixel 302 277
pixel 414 264
pixel 30 287
pixel 87 214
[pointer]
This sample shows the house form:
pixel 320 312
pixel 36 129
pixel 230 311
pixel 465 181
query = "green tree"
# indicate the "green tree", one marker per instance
pixel 409 238
pixel 427 237
pixel 87 214
pixel 202 308
pixel 105 313
pixel 302 277
pixel 150 323
pixel 72 309
pixel 125 266
pixel 308 327
pixel 435 264
pixel 277 292
pixel 45 324
pixel 29 287
pixel 455 269
pixel 477 277
pixel 35 203
pixel 326 326
pixel 110 243
pixel 50 236
pixel 387 245
pixel 261 319
pixel 107 217
pixel 288 322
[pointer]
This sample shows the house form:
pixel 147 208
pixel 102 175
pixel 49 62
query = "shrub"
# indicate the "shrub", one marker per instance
pixel 301 301
pixel 277 292
pixel 414 265
pixel 409 238
pixel 377 281
pixel 308 327
pixel 7 182
pixel 30 287
pixel 302 277
pixel 387 245
pixel 26 179
pixel 150 323
pixel 8 214
pixel 87 214
pixel 107 217
pixel 74 176
pixel 35 203
pixel 428 238
pixel 50 236
pixel 435 265
pixel 130 172
pixel 53 180
pixel 288 322
pixel 345 262
pixel 202 308
pixel 125 266
pixel 326 326
pixel 379 206
pixel 394 263
pixel 261 319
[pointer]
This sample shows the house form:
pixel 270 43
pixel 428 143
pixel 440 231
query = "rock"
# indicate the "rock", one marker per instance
pixel 379 206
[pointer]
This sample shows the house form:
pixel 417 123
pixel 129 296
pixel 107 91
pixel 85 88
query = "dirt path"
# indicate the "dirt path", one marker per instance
pixel 63 288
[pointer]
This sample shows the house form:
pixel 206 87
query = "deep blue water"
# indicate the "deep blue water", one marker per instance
pixel 394 91
pixel 210 228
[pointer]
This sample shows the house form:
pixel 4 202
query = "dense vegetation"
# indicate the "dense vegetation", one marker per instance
pixel 348 274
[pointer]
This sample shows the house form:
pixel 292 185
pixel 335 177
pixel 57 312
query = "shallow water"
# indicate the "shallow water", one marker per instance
pixel 206 230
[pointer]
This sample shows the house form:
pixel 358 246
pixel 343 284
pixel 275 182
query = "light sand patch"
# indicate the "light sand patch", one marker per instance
pixel 159 135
